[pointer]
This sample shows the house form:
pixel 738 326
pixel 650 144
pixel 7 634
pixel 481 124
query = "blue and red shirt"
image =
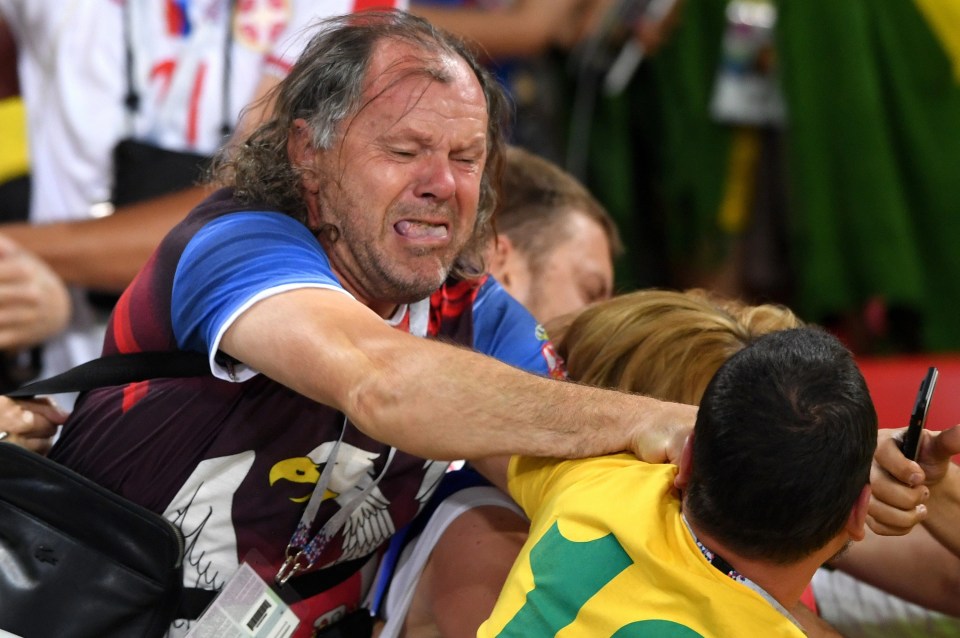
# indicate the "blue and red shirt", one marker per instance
pixel 232 460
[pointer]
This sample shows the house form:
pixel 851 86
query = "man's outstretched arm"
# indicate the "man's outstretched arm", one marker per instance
pixel 439 401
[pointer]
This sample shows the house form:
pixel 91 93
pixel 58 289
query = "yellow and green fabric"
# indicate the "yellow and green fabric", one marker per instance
pixel 609 555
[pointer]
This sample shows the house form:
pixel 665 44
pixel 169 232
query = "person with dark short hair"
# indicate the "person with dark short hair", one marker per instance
pixel 773 482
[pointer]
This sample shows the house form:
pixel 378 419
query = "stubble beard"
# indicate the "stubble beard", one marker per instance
pixel 841 552
pixel 386 279
pixel 398 286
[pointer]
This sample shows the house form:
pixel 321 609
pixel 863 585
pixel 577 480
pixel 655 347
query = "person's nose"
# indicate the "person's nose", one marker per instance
pixel 436 180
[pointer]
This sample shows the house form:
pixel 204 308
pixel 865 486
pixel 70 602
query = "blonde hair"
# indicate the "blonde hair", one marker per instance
pixel 662 343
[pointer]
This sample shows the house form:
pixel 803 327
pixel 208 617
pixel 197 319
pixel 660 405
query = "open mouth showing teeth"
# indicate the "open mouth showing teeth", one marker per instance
pixel 420 230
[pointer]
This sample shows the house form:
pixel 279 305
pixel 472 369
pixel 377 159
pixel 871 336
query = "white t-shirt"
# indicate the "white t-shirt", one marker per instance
pixel 71 58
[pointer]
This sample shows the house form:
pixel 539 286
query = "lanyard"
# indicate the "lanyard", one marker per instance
pixel 302 551
pixel 718 562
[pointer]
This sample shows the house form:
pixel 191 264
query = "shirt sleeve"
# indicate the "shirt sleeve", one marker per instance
pixel 233 262
pixel 534 481
pixel 504 329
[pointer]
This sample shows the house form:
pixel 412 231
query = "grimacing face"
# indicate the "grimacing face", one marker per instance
pixel 402 185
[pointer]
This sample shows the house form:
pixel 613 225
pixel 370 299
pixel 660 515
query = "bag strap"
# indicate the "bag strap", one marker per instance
pixel 119 369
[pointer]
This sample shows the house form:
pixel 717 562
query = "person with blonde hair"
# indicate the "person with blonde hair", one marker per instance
pixel 662 343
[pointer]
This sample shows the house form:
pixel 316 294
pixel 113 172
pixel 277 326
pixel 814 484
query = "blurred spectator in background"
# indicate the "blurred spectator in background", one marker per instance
pixel 34 303
pixel 555 243
pixel 803 153
pixel 125 101
pixel 602 124
pixel 519 40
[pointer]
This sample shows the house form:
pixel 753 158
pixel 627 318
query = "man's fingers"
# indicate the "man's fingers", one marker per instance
pixel 894 492
pixel 889 520
pixel 890 458
pixel 45 408
pixel 661 438
pixel 896 522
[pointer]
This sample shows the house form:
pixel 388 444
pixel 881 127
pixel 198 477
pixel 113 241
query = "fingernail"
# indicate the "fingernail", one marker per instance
pixel 922 511
pixel 916 479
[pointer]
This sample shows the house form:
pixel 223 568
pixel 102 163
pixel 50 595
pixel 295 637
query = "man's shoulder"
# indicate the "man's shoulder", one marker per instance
pixel 575 479
pixel 223 202
pixel 221 218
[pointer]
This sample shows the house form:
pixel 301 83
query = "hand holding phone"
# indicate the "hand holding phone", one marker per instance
pixel 918 418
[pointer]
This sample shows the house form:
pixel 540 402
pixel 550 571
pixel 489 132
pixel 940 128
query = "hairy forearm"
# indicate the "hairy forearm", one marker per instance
pixel 106 253
pixel 445 402
pixel 472 406
pixel 436 400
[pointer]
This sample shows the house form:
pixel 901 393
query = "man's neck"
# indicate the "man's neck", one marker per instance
pixel 783 582
pixel 386 309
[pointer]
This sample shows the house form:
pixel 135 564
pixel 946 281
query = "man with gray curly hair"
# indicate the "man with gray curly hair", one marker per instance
pixel 350 226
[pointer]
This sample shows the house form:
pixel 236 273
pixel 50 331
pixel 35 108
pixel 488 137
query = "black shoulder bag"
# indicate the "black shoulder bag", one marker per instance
pixel 77 560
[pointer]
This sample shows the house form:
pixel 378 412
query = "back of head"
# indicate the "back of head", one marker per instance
pixel 662 343
pixel 782 446
pixel 537 196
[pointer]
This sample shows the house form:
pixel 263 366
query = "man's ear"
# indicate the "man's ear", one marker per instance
pixel 302 154
pixel 685 466
pixel 858 515
pixel 500 254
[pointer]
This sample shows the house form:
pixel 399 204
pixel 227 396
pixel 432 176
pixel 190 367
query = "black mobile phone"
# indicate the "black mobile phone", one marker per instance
pixel 918 418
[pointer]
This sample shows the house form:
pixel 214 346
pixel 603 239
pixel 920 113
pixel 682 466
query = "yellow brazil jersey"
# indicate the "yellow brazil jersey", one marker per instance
pixel 609 555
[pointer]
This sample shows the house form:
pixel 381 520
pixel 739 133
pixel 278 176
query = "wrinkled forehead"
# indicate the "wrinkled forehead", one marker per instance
pixel 395 62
